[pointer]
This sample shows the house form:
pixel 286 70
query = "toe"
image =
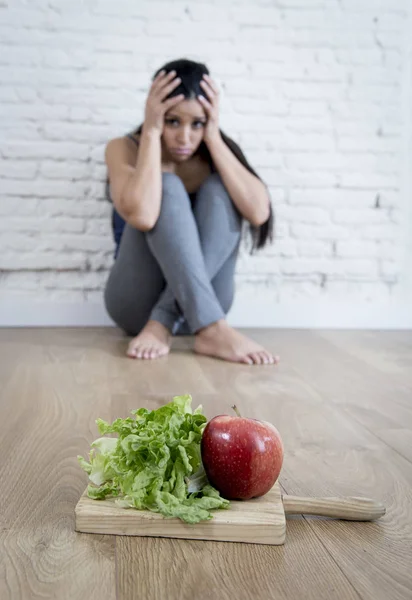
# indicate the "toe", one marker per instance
pixel 153 353
pixel 139 352
pixel 146 353
pixel 131 348
pixel 261 357
pixel 247 360
pixel 255 356
pixel 131 351
pixel 270 360
pixel 265 357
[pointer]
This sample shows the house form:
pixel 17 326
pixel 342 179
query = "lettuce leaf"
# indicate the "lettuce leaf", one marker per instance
pixel 154 463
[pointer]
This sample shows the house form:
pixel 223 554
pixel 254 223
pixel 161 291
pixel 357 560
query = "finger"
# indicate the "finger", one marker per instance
pixel 212 83
pixel 205 103
pixel 165 91
pixel 167 79
pixel 159 76
pixel 168 89
pixel 173 101
pixel 211 94
pixel 164 77
pixel 158 81
pixel 159 84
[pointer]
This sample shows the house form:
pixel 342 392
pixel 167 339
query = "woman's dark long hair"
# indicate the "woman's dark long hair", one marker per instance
pixel 191 74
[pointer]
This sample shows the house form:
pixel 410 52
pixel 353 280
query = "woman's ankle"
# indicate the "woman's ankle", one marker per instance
pixel 154 324
pixel 213 328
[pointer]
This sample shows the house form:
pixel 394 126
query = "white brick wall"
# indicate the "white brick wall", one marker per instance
pixel 316 92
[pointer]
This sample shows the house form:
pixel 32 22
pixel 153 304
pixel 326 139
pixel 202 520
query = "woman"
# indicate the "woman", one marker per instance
pixel 180 190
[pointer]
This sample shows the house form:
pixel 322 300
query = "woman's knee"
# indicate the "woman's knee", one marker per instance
pixel 174 199
pixel 213 187
pixel 213 191
pixel 172 186
pixel 216 214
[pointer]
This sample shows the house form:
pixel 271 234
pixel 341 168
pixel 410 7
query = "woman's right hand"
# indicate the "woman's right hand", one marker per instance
pixel 156 105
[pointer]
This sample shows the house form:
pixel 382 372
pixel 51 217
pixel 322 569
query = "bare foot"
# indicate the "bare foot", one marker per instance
pixel 152 342
pixel 222 341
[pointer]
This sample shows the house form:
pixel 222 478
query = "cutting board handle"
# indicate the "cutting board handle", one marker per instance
pixel 349 508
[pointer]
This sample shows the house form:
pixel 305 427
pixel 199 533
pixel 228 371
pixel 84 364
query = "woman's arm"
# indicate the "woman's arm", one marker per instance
pixel 248 193
pixel 136 182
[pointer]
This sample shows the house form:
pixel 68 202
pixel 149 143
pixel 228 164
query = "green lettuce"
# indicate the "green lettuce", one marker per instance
pixel 154 463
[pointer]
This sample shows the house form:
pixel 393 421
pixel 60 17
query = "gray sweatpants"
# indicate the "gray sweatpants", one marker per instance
pixel 181 273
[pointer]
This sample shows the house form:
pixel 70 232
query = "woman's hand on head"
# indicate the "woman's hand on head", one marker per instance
pixel 156 103
pixel 211 106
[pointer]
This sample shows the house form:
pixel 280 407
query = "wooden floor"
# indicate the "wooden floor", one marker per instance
pixel 341 400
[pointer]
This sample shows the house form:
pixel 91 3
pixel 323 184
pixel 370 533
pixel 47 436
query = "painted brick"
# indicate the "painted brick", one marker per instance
pixel 314 91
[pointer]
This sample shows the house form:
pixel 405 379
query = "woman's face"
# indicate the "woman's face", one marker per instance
pixel 183 129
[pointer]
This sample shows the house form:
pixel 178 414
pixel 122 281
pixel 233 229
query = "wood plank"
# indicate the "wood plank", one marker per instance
pixel 335 457
pixel 198 570
pixel 342 403
pixel 379 400
pixel 46 420
pixel 390 352
pixel 331 453
pixel 387 413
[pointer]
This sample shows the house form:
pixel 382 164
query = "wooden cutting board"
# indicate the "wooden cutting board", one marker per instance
pixel 258 521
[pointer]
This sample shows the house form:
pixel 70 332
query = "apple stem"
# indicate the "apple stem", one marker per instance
pixel 235 408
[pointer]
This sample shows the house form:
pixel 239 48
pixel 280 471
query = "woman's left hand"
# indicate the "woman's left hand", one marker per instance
pixel 211 106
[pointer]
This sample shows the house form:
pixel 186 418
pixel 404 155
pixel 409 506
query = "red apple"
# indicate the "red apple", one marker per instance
pixel 242 457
